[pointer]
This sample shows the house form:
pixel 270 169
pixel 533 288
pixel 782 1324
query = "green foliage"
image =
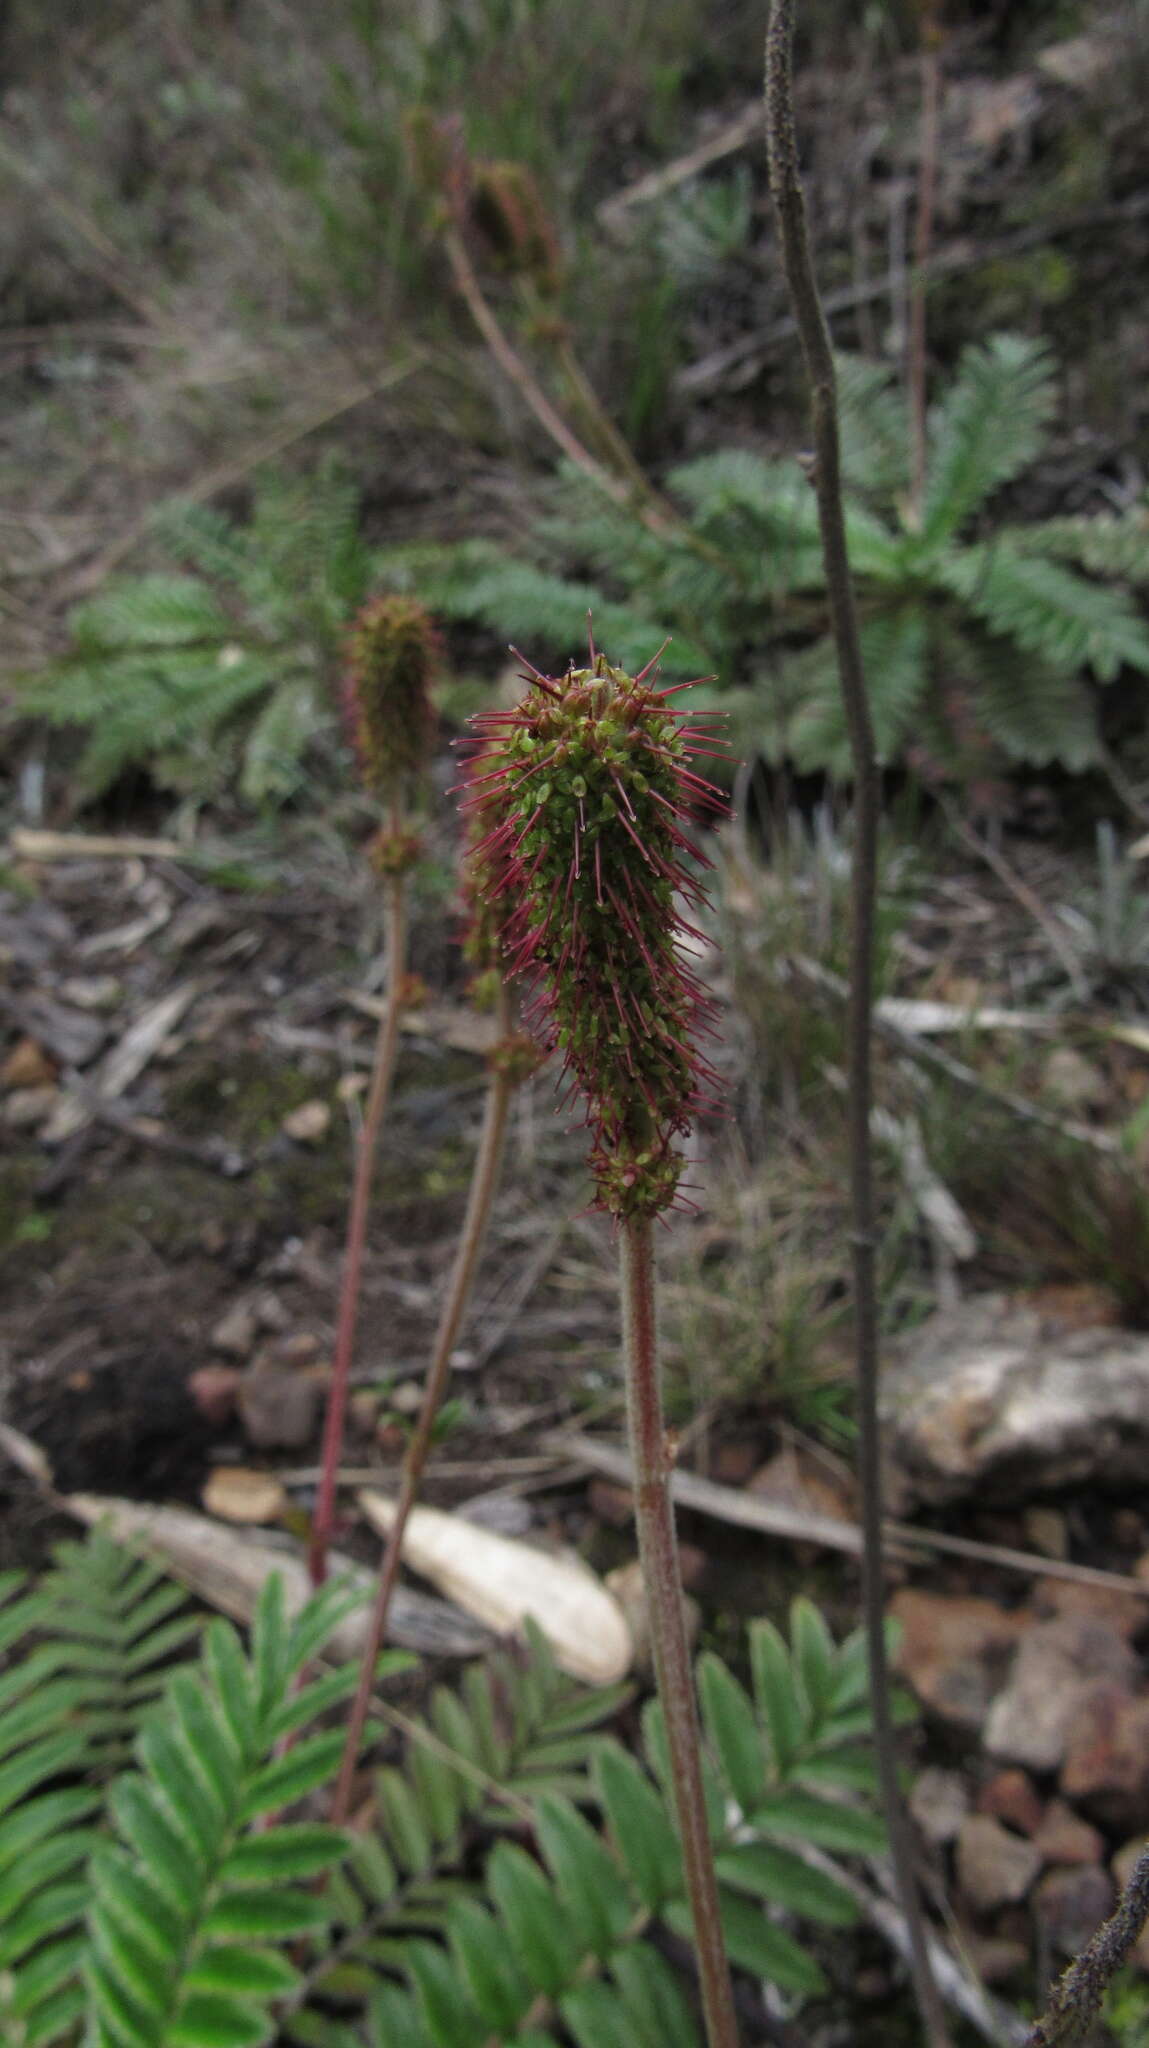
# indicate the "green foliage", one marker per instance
pixel 562 1940
pixel 174 1907
pixel 980 637
pixel 219 669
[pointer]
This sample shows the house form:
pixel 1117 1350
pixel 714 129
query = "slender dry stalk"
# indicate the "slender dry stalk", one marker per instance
pixel 931 36
pixel 662 1582
pixel 786 187
pixel 379 1094
pixel 484 1182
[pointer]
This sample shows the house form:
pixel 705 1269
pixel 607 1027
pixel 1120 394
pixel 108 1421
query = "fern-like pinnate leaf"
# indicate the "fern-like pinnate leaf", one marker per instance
pixel 89 1652
pixel 192 1902
pixel 559 1939
pixel 220 671
pixel 986 429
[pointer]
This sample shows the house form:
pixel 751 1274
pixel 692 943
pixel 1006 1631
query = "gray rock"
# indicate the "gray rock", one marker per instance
pixel 1071 1903
pixel 994 1867
pixel 991 1397
pixel 939 1802
pixel 1058 1665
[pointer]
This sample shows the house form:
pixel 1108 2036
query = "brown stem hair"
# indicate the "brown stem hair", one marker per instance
pixel 786 187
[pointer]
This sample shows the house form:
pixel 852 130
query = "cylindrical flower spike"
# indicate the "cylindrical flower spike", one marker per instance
pixel 392 658
pixel 585 790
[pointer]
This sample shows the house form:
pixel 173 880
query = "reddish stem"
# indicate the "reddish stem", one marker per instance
pixel 658 1551
pixel 484 1181
pixel 382 1074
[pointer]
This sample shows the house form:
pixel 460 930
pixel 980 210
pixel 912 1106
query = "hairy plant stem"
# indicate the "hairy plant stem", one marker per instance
pixel 786 187
pixel 484 1182
pixel 1077 1997
pixel 923 245
pixel 658 1552
pixel 631 489
pixel 382 1075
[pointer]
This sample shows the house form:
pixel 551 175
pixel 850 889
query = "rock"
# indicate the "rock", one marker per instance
pixel 939 1802
pixel 279 1408
pixel 1064 1837
pixel 798 1478
pixel 1127 1613
pixel 237 1494
pixel 1107 1758
pixel 994 1868
pixel 236 1332
pixel 1071 1080
pixel 626 1584
pixel 406 1398
pixel 995 1958
pixel 955 1651
pixel 309 1124
pixel 733 1463
pixel 271 1313
pixel 1013 1798
pixel 610 1502
pixel 1070 1905
pixel 1034 1719
pixel 508 1513
pixel 1046 1530
pixel 24 1109
pixel 27 1066
pixel 214 1389
pixel 988 1399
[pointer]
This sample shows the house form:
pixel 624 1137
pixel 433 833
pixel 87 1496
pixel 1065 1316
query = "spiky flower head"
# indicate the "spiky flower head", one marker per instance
pixel 392 658
pixel 586 790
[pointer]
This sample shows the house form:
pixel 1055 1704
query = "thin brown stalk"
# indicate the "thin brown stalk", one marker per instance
pixel 923 245
pixel 786 187
pixel 658 1552
pixel 637 496
pixel 382 1075
pixel 484 1182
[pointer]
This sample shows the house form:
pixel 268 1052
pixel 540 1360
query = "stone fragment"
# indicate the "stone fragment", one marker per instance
pixel 798 1478
pixel 990 1398
pixel 1071 1903
pixel 939 1802
pixel 1106 1765
pixel 214 1389
pixel 955 1651
pixel 1012 1797
pixel 1068 1078
pixel 994 1867
pixel 309 1124
pixel 235 1333
pixel 24 1109
pixel 995 1958
pixel 1046 1530
pixel 27 1066
pixel 610 1502
pixel 1033 1720
pixel 1127 1613
pixel 1064 1837
pixel 279 1408
pixel 237 1494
